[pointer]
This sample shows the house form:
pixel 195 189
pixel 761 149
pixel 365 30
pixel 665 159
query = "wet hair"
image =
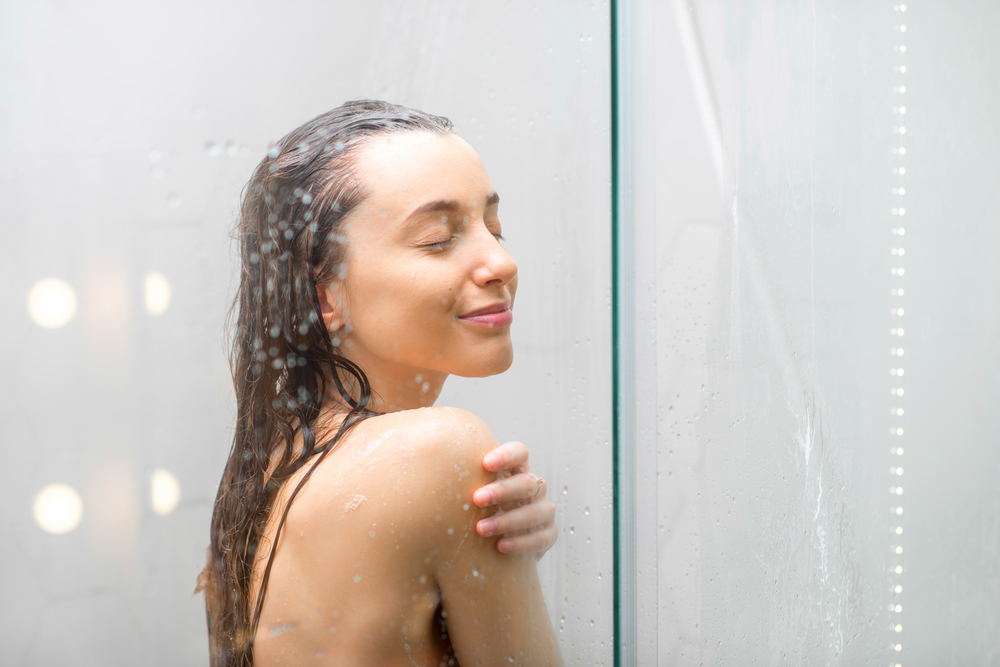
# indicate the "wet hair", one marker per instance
pixel 282 356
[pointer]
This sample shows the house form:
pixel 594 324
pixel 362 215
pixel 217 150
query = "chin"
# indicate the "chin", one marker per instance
pixel 493 362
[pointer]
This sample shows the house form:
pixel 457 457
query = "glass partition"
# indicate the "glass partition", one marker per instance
pixel 128 131
pixel 808 208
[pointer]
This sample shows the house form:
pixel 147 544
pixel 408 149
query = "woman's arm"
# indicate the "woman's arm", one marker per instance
pixel 496 614
pixel 529 528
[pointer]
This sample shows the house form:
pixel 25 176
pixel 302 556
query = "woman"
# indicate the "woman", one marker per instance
pixel 345 528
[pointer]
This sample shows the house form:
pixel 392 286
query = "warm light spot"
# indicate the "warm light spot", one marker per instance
pixel 157 293
pixel 165 491
pixel 58 509
pixel 51 303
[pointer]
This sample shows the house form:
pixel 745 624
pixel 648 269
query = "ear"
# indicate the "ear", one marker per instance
pixel 331 305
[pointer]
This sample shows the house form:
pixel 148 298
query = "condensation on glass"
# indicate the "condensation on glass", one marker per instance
pixel 127 135
pixel 815 195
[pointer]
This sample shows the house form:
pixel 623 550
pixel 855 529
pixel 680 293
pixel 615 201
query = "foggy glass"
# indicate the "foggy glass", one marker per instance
pixel 814 335
pixel 794 363
pixel 128 131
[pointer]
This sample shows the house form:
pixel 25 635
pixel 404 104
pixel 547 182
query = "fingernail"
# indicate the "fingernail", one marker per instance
pixel 505 546
pixel 484 497
pixel 487 527
pixel 492 460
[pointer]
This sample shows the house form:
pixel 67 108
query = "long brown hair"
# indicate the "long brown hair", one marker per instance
pixel 282 356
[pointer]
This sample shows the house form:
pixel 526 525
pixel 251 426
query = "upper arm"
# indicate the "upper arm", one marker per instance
pixel 494 603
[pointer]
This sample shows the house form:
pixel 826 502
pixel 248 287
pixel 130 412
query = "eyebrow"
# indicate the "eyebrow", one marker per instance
pixel 449 205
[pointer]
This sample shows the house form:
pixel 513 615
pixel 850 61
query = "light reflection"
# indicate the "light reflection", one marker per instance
pixel 165 491
pixel 51 303
pixel 157 293
pixel 58 509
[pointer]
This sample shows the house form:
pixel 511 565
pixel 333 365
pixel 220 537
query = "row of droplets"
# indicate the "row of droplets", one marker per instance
pixel 896 352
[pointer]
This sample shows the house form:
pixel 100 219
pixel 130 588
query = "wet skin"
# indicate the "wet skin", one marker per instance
pixel 385 533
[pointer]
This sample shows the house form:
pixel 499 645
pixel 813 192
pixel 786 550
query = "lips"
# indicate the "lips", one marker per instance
pixel 495 308
pixel 497 315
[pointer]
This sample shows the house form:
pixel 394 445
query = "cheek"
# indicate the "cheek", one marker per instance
pixel 393 300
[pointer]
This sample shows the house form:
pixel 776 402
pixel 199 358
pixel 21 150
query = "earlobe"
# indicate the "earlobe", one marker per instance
pixel 330 306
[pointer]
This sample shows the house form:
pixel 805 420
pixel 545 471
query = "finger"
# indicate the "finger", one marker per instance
pixel 506 456
pixel 535 543
pixel 523 518
pixel 511 489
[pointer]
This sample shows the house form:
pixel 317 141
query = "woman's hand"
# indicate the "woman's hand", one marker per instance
pixel 530 528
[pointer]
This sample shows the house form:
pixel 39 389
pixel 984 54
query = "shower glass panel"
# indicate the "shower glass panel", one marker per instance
pixel 809 206
pixel 128 131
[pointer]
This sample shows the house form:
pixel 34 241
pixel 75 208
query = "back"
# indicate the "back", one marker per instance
pixel 380 547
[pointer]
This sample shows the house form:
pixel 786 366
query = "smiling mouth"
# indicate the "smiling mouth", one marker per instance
pixel 495 308
pixel 492 317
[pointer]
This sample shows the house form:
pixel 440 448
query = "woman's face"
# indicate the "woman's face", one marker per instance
pixel 423 262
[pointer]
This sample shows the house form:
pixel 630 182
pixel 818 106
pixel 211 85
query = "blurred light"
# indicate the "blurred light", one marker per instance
pixel 157 293
pixel 51 303
pixel 58 509
pixel 165 492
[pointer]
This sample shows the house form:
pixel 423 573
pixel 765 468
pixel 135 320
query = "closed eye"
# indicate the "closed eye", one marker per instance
pixel 440 245
pixel 499 237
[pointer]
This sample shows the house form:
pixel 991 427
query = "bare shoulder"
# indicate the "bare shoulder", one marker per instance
pixel 425 463
pixel 427 439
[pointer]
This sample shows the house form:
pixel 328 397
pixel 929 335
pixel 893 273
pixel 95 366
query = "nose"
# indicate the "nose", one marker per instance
pixel 494 265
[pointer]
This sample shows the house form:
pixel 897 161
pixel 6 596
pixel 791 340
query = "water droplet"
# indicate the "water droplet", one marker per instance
pixel 212 149
pixel 371 533
pixel 173 201
pixel 155 156
pixel 586 510
pixel 357 578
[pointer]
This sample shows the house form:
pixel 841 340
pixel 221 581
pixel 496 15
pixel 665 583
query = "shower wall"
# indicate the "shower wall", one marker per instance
pixel 811 201
pixel 128 130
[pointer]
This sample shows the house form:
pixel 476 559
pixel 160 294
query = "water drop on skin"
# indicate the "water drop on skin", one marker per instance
pixel 357 578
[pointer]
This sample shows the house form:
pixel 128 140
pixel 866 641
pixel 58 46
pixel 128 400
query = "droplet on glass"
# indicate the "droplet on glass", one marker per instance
pixel 212 149
pixel 173 201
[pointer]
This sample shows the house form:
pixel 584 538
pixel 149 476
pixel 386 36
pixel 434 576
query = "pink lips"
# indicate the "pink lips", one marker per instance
pixel 493 317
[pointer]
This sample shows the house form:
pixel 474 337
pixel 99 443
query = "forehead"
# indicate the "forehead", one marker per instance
pixel 403 171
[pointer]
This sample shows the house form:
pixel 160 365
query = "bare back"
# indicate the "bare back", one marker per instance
pixel 380 546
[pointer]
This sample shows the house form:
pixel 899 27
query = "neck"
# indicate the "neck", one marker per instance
pixel 395 386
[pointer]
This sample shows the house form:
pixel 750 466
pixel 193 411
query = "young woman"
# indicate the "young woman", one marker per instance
pixel 347 528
